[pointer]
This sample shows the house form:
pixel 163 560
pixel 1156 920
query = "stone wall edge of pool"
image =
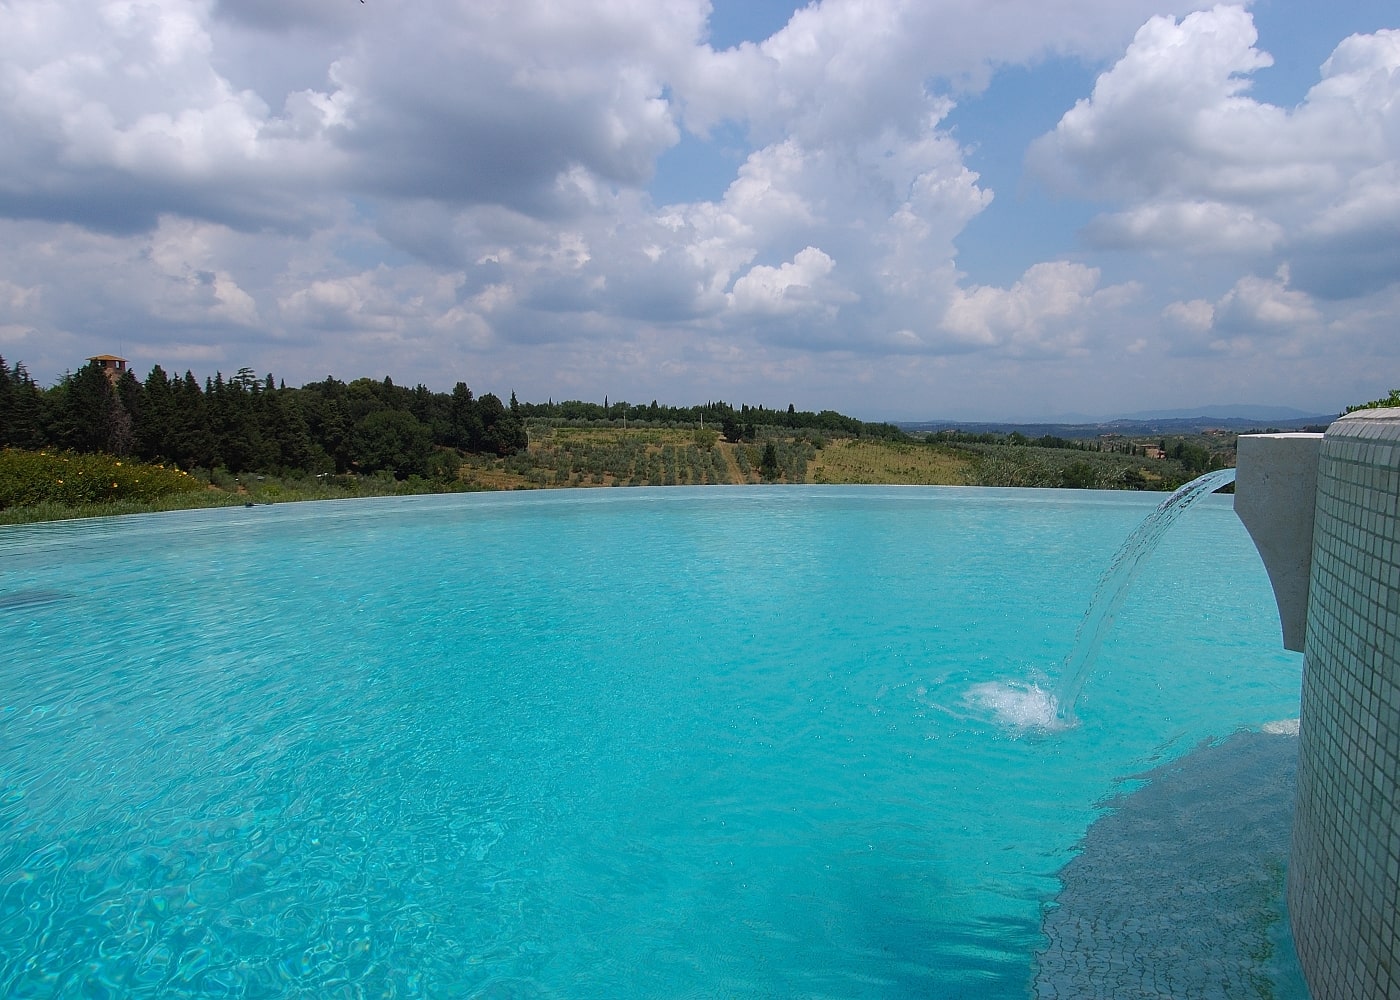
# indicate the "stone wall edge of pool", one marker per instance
pixel 1344 857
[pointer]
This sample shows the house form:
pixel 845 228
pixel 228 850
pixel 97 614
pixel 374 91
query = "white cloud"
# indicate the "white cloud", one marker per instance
pixel 1266 305
pixel 798 286
pixel 117 116
pixel 1196 316
pixel 1203 168
pixel 849 68
pixel 483 107
pixel 18 299
pixel 1204 227
pixel 1049 311
pixel 1256 314
pixel 1171 116
pixel 461 190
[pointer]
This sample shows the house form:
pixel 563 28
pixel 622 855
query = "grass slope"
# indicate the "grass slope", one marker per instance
pixel 43 487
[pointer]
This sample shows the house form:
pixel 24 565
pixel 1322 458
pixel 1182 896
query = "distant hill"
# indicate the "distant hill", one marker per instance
pixel 1139 425
pixel 1269 414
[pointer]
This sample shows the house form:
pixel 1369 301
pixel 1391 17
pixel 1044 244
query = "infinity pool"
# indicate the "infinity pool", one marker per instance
pixel 686 742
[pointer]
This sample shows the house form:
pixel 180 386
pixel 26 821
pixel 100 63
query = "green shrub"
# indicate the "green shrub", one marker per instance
pixel 30 478
pixel 1392 400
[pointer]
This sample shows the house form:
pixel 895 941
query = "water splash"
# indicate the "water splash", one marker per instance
pixel 1017 705
pixel 1113 587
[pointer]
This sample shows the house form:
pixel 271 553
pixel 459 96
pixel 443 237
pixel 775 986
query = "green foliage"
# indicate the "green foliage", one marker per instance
pixel 1195 459
pixel 1032 466
pixel 1079 476
pixel 1014 468
pixel 1015 438
pixel 1112 463
pixel 90 415
pixel 443 465
pixel 393 441
pixel 1393 400
pixel 249 424
pixel 768 466
pixel 233 491
pixel 21 408
pixel 578 456
pixel 502 432
pixel 741 423
pixel 370 437
pixel 30 478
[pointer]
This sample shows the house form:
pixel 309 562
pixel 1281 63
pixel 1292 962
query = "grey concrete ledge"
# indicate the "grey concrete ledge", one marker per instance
pixel 1275 497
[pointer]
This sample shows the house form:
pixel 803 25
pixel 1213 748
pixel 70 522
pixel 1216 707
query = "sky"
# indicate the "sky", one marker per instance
pixel 899 209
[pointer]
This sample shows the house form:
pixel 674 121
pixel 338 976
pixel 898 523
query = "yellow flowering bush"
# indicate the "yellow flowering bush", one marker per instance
pixel 33 477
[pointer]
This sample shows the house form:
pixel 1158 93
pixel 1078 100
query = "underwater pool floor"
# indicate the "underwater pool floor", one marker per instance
pixel 610 743
pixel 1178 890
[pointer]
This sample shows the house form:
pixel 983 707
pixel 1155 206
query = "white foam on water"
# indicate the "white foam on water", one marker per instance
pixel 1283 727
pixel 1018 705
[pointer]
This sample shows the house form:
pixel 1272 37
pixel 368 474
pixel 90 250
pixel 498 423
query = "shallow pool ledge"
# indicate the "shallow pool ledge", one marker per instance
pixel 1276 497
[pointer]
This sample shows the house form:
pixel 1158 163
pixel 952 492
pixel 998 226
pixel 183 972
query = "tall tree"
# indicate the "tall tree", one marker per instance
pixel 463 419
pixel 393 440
pixel 155 423
pixel 191 443
pixel 501 431
pixel 21 408
pixel 91 416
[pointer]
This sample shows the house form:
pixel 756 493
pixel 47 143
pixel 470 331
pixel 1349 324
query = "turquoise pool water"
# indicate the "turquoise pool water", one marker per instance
pixel 610 743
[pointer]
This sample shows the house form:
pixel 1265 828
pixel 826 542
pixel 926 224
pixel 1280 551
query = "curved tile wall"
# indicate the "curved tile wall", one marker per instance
pixel 1344 868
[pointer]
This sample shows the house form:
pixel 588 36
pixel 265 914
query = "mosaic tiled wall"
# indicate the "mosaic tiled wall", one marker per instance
pixel 1344 868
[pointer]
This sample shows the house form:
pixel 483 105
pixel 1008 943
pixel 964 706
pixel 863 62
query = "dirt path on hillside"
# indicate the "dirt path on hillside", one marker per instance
pixel 731 464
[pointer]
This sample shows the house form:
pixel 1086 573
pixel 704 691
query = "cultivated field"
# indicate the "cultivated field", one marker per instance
pixel 40 486
pixel 614 456
pixel 866 461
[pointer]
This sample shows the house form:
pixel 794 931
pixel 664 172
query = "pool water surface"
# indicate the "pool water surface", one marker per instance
pixel 599 743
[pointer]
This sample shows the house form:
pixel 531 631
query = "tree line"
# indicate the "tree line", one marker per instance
pixel 247 424
pixel 1016 438
pixel 740 423
pixel 251 424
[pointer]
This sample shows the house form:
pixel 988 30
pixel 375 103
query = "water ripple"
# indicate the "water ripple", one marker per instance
pixel 687 744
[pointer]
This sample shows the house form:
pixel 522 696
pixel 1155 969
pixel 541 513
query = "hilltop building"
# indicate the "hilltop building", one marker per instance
pixel 113 366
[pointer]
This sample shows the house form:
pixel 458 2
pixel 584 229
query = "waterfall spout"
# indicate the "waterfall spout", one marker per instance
pixel 1113 587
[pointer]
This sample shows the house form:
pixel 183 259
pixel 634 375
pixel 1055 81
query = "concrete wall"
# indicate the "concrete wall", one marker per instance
pixel 1276 498
pixel 1344 868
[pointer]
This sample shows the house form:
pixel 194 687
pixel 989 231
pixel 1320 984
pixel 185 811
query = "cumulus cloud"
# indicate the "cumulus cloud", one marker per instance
pixel 794 287
pixel 483 108
pixel 844 68
pixel 1205 227
pixel 280 15
pixel 1264 305
pixel 18 299
pixel 1257 312
pixel 118 116
pixel 1196 316
pixel 1171 131
pixel 1171 116
pixel 462 187
pixel 1049 311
